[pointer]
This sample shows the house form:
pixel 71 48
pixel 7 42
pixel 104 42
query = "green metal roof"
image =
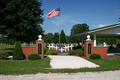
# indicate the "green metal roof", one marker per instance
pixel 96 30
pixel 110 26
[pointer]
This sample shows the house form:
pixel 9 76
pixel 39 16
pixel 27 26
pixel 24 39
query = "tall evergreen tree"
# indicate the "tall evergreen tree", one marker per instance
pixel 21 19
pixel 62 37
pixel 56 37
pixel 18 53
pixel 67 39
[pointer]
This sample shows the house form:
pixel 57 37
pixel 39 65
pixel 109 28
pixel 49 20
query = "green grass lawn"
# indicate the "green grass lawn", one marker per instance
pixel 42 66
pixel 24 66
pixel 7 48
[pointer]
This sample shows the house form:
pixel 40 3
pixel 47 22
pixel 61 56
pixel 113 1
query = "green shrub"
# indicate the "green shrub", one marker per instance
pixel 72 52
pixel 79 52
pixel 77 47
pixel 34 56
pixel 52 52
pixel 110 48
pixel 3 55
pixel 45 50
pixel 94 56
pixel 18 53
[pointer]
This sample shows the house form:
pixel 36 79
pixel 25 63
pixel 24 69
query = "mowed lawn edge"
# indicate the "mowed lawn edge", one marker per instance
pixel 11 67
pixel 43 66
pixel 24 66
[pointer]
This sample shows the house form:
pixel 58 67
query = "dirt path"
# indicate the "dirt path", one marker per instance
pixel 106 75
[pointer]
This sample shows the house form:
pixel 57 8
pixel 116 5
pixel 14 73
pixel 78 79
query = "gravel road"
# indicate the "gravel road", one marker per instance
pixel 106 75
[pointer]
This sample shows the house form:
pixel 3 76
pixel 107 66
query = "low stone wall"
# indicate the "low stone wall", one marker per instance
pixel 28 50
pixel 102 51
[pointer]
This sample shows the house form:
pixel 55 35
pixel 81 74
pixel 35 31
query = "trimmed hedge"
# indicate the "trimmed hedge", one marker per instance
pixel 34 56
pixel 18 53
pixel 3 55
pixel 72 52
pixel 110 48
pixel 78 52
pixel 52 52
pixel 94 56
pixel 77 47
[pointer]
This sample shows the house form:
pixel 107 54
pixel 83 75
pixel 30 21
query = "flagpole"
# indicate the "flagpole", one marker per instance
pixel 59 29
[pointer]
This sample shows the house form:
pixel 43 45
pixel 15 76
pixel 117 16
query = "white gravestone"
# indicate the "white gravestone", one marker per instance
pixel 52 45
pixel 49 46
pixel 104 44
pixel 70 46
pixel 61 49
pixel 56 47
pixel 65 47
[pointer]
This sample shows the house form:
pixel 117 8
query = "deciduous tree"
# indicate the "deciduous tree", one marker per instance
pixel 78 28
pixel 48 38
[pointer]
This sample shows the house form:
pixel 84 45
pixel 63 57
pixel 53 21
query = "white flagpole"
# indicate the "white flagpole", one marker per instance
pixel 59 29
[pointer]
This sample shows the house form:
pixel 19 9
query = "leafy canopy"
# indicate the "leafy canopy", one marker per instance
pixel 21 19
pixel 78 28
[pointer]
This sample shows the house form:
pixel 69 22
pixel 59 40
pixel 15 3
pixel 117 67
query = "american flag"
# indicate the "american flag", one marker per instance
pixel 53 13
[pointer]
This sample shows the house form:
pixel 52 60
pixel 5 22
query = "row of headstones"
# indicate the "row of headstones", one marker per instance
pixel 4 45
pixel 61 49
pixel 8 45
pixel 24 44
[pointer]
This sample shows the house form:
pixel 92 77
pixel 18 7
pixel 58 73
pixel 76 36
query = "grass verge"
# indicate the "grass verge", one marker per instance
pixel 24 66
pixel 7 48
pixel 42 66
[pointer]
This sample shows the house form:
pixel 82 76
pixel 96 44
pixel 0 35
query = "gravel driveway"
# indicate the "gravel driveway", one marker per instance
pixel 107 75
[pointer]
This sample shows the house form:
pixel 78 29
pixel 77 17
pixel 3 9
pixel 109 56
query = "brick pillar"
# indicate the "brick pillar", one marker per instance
pixel 88 52
pixel 40 48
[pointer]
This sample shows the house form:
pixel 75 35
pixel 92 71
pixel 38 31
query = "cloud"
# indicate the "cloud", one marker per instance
pixel 75 22
pixel 56 23
pixel 101 25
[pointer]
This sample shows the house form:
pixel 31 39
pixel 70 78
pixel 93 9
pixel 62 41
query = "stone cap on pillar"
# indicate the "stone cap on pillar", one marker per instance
pixel 39 37
pixel 88 38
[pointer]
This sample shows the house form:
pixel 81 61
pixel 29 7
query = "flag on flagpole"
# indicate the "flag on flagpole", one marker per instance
pixel 53 13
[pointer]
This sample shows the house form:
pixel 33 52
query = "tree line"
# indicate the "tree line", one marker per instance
pixel 20 20
pixel 54 38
